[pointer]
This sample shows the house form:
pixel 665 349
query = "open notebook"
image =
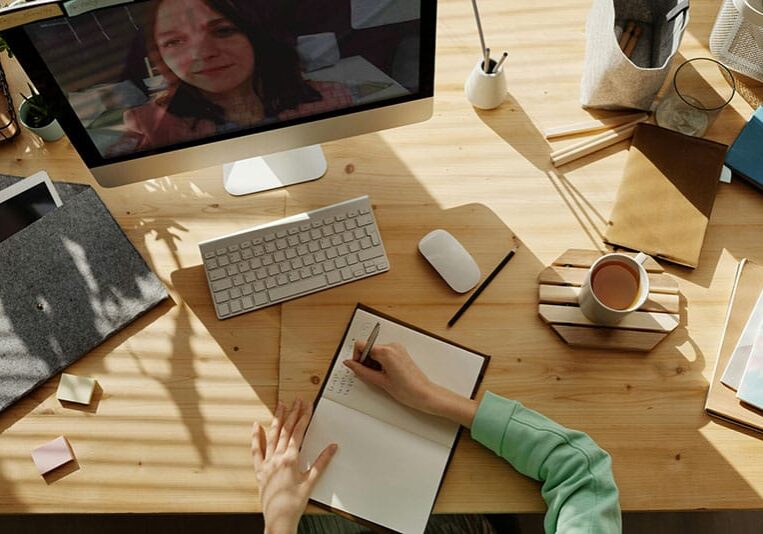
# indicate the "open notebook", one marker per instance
pixel 391 459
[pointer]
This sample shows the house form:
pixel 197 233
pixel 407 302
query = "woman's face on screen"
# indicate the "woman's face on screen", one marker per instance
pixel 201 47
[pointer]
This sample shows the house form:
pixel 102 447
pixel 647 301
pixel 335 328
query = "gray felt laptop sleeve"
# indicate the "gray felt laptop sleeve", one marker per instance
pixel 68 281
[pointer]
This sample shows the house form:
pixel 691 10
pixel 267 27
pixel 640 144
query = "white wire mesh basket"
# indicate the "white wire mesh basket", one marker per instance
pixel 737 37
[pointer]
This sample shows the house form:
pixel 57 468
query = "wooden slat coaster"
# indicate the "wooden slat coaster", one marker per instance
pixel 642 330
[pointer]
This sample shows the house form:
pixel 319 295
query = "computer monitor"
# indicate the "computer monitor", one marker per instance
pixel 156 87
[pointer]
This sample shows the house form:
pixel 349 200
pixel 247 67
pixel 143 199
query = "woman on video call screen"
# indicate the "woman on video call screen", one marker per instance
pixel 171 71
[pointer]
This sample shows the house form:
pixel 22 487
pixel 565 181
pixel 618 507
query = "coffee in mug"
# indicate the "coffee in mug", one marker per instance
pixel 616 285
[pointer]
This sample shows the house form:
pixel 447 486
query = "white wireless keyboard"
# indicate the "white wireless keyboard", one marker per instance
pixel 293 257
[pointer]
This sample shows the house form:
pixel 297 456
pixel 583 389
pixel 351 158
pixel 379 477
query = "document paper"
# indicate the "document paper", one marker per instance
pixel 391 458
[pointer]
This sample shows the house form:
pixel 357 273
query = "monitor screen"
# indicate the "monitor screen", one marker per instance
pixel 147 77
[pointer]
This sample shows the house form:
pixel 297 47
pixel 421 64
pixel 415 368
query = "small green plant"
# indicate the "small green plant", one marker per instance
pixel 38 113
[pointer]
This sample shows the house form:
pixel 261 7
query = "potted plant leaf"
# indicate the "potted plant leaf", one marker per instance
pixel 36 115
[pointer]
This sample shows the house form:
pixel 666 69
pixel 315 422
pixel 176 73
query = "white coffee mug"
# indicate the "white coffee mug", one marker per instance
pixel 598 312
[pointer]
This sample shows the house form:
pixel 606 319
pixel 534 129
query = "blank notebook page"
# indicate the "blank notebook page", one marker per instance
pixel 391 459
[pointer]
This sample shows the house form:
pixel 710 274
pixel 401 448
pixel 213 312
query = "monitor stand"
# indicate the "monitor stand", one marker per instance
pixel 274 170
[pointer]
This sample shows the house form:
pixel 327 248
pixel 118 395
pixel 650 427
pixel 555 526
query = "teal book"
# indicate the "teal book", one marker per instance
pixel 745 157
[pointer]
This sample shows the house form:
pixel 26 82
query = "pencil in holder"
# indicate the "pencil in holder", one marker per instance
pixel 486 90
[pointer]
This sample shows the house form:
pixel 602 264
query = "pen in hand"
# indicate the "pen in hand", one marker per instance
pixel 365 359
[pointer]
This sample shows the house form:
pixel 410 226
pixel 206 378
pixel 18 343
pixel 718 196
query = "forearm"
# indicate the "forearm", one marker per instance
pixel 445 403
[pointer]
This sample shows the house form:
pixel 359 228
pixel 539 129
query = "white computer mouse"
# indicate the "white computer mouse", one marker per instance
pixel 450 259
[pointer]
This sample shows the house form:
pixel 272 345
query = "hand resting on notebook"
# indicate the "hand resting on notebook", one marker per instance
pixel 284 487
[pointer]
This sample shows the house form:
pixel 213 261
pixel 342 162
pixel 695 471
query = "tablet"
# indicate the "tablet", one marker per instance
pixel 26 201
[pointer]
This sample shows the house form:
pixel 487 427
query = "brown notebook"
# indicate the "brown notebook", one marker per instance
pixel 721 400
pixel 666 195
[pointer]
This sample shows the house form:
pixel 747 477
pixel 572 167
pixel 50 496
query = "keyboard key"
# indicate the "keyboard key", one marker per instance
pixel 351 224
pixel 370 268
pixel 320 256
pixel 291 253
pixel 317 269
pixel 259 250
pixel 327 231
pixel 222 261
pixel 304 237
pixel 212 264
pixel 352 214
pixel 281 279
pixel 382 264
pixel 245 245
pixel 234 292
pixel 259 285
pixel 235 306
pixel 281 234
pixel 231 270
pixel 267 260
pixel 354 246
pixel 247 289
pixel 340 217
pixel 338 228
pixel 302 286
pixel 302 250
pixel 313 246
pixel 294 276
pixel 233 248
pixel 225 283
pixel 365 242
pixel 328 220
pixel 247 303
pixel 316 224
pixel 359 233
pixel 216 274
pixel 270 283
pixel 315 234
pixel 352 259
pixel 296 263
pixel 364 210
pixel 304 227
pixel 261 273
pixel 347 237
pixel 222 296
pixel 257 241
pixel 375 239
pixel 222 251
pixel 334 277
pixel 238 280
pixel 247 254
pixel 235 257
pixel 270 248
pixel 223 309
pixel 346 273
pixel 249 277
pixel 308 260
pixel 279 256
pixel 336 240
pixel 209 254
pixel 305 272
pixel 243 266
pixel 273 270
pixel 340 262
pixel 325 243
pixel 331 253
pixel 284 267
pixel 292 240
pixel 293 230
pixel 255 263
pixel 370 253
pixel 281 244
pixel 261 298
pixel 328 266
pixel 357 270
pixel 343 250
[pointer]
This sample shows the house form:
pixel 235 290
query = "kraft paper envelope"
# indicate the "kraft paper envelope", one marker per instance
pixel 666 196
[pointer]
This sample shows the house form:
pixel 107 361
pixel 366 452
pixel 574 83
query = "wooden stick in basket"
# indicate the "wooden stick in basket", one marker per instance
pixel 592 125
pixel 580 150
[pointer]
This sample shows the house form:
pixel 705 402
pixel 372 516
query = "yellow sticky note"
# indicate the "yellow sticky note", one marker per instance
pixel 77 389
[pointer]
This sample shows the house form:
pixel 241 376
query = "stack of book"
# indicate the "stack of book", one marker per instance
pixel 736 392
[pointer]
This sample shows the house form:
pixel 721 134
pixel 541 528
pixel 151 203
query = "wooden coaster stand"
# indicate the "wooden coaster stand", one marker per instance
pixel 642 330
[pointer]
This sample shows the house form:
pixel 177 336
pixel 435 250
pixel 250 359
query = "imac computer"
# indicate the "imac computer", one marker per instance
pixel 148 88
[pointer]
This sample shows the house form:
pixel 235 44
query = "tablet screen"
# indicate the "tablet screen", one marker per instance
pixel 23 209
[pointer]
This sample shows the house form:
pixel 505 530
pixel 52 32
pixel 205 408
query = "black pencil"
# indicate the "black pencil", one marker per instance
pixel 482 286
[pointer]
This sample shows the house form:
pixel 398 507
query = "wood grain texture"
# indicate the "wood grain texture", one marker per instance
pixel 170 431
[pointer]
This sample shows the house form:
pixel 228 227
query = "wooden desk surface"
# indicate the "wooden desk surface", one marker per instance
pixel 169 432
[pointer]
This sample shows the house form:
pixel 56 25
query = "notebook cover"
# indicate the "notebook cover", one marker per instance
pixel 68 281
pixel 745 157
pixel 667 193
pixel 359 306
pixel 721 400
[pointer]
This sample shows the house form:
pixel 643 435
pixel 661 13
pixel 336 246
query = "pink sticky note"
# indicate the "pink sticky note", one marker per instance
pixel 52 455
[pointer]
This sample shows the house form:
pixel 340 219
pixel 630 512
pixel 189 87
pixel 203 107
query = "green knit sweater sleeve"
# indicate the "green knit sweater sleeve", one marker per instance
pixel 578 485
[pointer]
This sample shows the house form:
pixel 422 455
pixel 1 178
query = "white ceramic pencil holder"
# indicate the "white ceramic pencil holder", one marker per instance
pixel 486 90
